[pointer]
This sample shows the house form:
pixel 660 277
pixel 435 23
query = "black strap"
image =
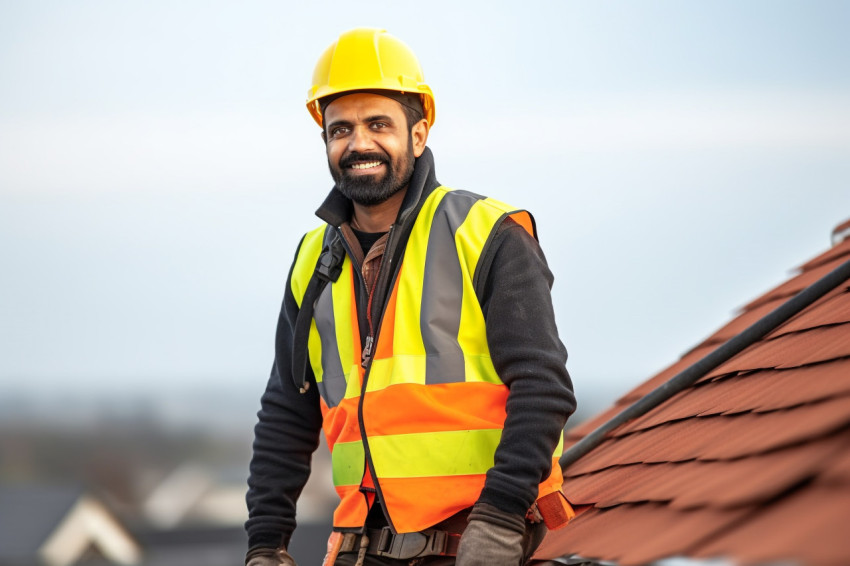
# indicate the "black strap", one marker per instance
pixel 328 268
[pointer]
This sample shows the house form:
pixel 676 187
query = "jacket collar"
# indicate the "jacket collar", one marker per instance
pixel 337 208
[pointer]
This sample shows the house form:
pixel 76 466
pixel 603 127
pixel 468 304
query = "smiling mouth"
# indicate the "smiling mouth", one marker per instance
pixel 368 165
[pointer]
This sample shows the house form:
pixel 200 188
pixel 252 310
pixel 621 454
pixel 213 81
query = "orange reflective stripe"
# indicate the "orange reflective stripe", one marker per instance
pixel 352 509
pixel 340 423
pixel 525 220
pixel 404 499
pixel 553 482
pixel 441 407
pixel 368 482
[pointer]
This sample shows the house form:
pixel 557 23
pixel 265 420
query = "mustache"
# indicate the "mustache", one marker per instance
pixel 356 156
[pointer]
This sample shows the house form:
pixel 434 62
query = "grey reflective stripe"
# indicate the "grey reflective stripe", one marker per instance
pixel 442 291
pixel 332 386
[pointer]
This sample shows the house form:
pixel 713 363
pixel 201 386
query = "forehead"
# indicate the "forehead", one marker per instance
pixel 361 105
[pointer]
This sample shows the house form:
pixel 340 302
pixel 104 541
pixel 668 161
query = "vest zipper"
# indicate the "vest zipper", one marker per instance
pixel 365 359
pixel 366 356
pixel 380 283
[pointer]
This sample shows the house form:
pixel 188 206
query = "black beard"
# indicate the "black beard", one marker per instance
pixel 370 190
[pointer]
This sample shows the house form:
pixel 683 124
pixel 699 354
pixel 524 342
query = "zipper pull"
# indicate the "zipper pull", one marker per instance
pixel 367 352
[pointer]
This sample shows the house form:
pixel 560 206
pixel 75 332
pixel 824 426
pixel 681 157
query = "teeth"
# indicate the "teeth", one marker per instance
pixel 366 165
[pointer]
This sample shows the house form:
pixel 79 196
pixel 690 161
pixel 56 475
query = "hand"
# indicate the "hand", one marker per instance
pixel 269 557
pixel 492 538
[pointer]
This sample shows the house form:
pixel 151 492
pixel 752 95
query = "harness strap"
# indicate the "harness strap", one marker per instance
pixel 328 269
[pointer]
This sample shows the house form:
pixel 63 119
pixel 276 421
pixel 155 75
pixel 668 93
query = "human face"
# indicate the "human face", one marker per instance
pixel 371 150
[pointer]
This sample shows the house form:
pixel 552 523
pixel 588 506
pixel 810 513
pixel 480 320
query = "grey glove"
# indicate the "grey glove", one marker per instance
pixel 269 557
pixel 492 538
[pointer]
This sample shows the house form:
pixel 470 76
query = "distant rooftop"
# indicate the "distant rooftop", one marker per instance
pixel 60 526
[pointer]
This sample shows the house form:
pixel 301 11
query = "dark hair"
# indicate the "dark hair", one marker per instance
pixel 413 111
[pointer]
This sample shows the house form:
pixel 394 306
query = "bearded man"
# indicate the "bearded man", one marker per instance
pixel 417 332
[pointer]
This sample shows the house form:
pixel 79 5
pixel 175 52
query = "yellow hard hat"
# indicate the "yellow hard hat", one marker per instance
pixel 366 59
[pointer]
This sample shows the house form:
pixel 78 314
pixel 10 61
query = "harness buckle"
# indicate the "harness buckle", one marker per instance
pixel 329 266
pixel 410 545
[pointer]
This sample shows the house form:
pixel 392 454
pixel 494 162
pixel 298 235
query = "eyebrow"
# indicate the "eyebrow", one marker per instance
pixel 379 118
pixel 370 119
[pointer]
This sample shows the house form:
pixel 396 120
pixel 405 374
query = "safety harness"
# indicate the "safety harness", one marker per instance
pixel 328 269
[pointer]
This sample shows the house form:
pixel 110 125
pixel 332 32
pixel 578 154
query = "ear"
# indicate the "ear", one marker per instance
pixel 419 136
pixel 324 136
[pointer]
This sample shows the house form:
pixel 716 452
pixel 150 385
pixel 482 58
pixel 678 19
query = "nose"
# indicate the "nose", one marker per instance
pixel 360 139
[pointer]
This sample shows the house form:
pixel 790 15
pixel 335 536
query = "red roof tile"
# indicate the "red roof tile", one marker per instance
pixel 636 534
pixel 834 309
pixel 751 463
pixel 717 483
pixel 742 321
pixel 759 391
pixel 820 344
pixel 795 284
pixel 741 435
pixel 810 524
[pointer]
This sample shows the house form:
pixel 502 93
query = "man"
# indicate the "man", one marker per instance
pixel 417 331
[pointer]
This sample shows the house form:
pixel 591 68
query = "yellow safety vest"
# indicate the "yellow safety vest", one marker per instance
pixel 433 407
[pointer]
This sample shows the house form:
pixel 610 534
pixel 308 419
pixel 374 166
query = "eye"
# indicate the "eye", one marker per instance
pixel 339 131
pixel 379 125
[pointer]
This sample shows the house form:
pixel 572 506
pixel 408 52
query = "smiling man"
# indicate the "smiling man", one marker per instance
pixel 417 332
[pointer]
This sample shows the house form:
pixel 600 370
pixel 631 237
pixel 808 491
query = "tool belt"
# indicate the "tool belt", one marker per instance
pixel 382 542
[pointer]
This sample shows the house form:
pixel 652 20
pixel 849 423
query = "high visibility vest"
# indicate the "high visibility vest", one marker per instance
pixel 433 406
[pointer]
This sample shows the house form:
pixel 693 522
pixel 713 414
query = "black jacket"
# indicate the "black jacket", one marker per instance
pixel 514 292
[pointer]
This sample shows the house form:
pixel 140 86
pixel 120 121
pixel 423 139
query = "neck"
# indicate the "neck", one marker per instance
pixel 378 217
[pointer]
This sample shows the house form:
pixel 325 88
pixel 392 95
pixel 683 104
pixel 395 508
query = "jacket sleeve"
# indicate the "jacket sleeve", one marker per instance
pixel 530 359
pixel 285 437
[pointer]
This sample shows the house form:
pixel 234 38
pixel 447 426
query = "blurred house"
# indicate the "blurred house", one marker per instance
pixel 192 495
pixel 195 515
pixel 148 507
pixel 176 490
pixel 747 463
pixel 59 527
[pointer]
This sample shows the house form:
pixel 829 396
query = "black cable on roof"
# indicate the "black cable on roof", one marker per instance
pixel 715 358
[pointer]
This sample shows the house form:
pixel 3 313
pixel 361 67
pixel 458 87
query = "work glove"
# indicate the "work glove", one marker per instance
pixel 492 538
pixel 269 557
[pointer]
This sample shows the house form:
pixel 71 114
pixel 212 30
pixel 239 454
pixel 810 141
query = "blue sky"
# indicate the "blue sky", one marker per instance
pixel 157 168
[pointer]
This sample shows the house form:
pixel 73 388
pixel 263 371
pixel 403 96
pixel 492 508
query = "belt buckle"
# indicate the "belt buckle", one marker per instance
pixel 401 546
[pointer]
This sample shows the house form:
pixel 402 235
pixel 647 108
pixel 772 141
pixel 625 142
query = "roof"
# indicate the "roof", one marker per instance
pixel 58 526
pixel 751 463
pixel 28 515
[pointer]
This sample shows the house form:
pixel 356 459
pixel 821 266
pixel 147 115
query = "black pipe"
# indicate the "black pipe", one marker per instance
pixel 724 352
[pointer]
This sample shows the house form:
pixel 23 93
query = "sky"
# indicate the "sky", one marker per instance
pixel 158 167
